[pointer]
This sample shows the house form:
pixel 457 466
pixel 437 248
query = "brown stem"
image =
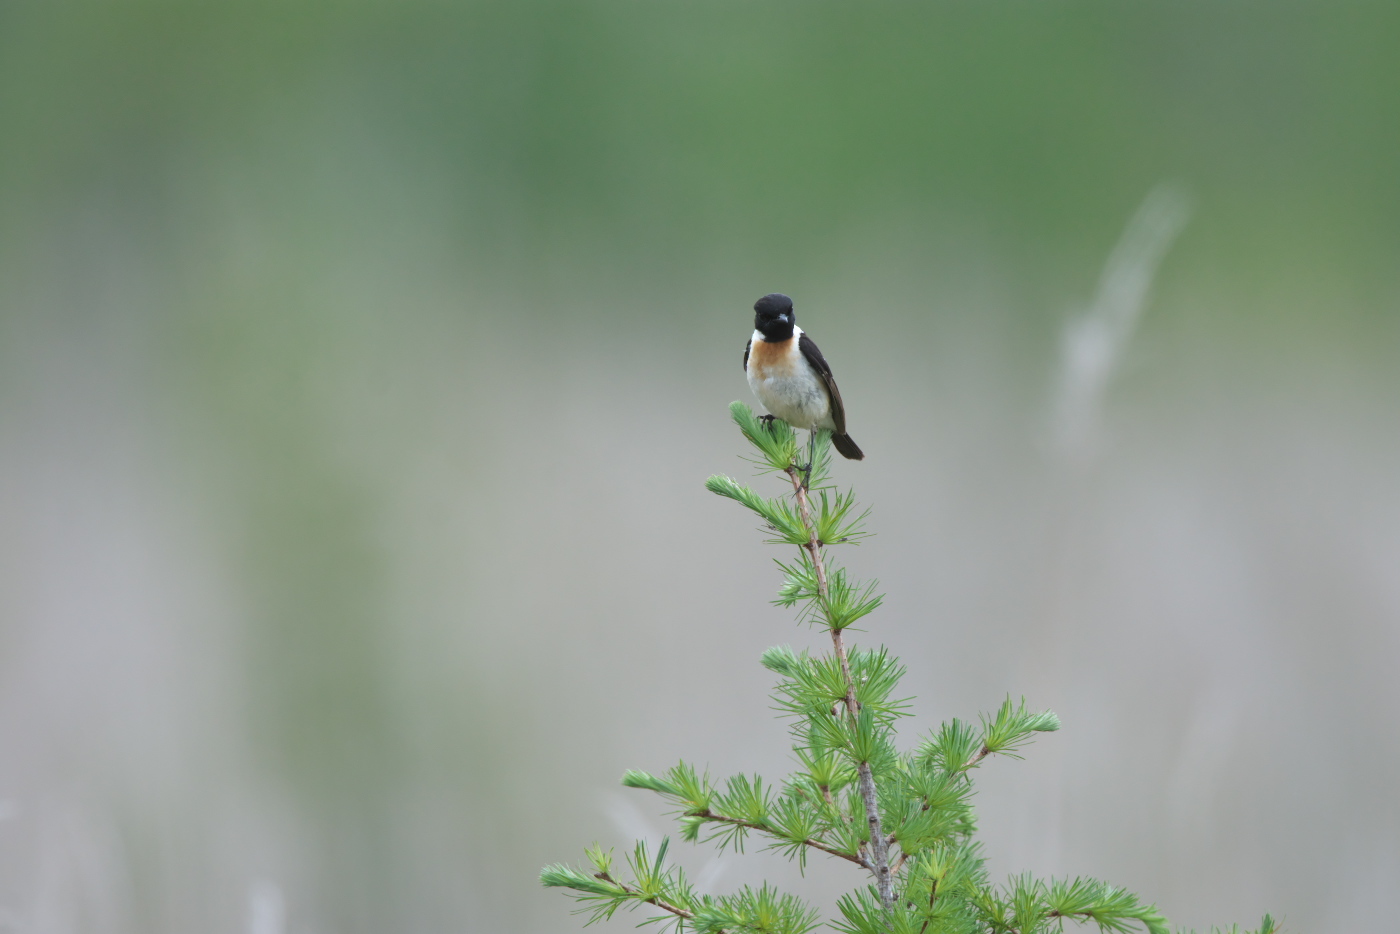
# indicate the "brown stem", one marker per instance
pixel 982 753
pixel 932 894
pixel 831 802
pixel 879 852
pixel 664 906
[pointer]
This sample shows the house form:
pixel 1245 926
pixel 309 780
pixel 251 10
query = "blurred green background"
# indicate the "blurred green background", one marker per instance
pixel 361 364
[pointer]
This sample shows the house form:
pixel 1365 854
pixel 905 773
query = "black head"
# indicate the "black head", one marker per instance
pixel 774 317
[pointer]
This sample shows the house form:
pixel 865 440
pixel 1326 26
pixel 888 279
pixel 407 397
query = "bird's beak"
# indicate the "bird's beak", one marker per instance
pixel 784 318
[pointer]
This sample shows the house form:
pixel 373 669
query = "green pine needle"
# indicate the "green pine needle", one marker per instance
pixel 1012 727
pixel 835 518
pixel 760 911
pixel 779 516
pixel 562 876
pixel 773 439
pixel 635 779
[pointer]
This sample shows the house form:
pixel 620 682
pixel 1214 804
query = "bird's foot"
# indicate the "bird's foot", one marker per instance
pixel 806 472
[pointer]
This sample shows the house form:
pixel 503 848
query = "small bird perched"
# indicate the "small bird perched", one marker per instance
pixel 791 378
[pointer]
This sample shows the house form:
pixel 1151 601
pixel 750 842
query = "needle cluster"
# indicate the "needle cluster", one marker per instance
pixel 903 819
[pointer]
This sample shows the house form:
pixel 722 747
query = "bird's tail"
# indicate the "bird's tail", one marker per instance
pixel 847 447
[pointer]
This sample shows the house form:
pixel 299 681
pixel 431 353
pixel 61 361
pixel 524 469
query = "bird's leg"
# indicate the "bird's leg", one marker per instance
pixel 811 458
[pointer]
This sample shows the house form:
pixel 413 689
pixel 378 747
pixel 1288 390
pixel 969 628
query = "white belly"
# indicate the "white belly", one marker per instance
pixel 790 389
pixel 802 403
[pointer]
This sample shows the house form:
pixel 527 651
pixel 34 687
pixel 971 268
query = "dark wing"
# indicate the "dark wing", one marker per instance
pixel 747 348
pixel 818 362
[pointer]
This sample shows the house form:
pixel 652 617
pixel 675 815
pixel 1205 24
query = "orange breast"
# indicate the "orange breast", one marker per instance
pixel 772 360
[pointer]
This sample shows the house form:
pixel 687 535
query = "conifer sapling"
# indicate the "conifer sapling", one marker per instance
pixel 903 820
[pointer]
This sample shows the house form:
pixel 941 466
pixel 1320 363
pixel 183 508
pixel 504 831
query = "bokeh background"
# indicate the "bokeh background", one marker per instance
pixel 361 365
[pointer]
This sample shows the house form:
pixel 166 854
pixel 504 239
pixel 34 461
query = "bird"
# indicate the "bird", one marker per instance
pixel 790 376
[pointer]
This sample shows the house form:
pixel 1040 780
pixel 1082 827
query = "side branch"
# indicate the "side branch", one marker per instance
pixel 981 754
pixel 663 905
pixel 977 757
pixel 814 844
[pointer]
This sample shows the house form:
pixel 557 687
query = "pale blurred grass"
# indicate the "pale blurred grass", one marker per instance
pixel 360 369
